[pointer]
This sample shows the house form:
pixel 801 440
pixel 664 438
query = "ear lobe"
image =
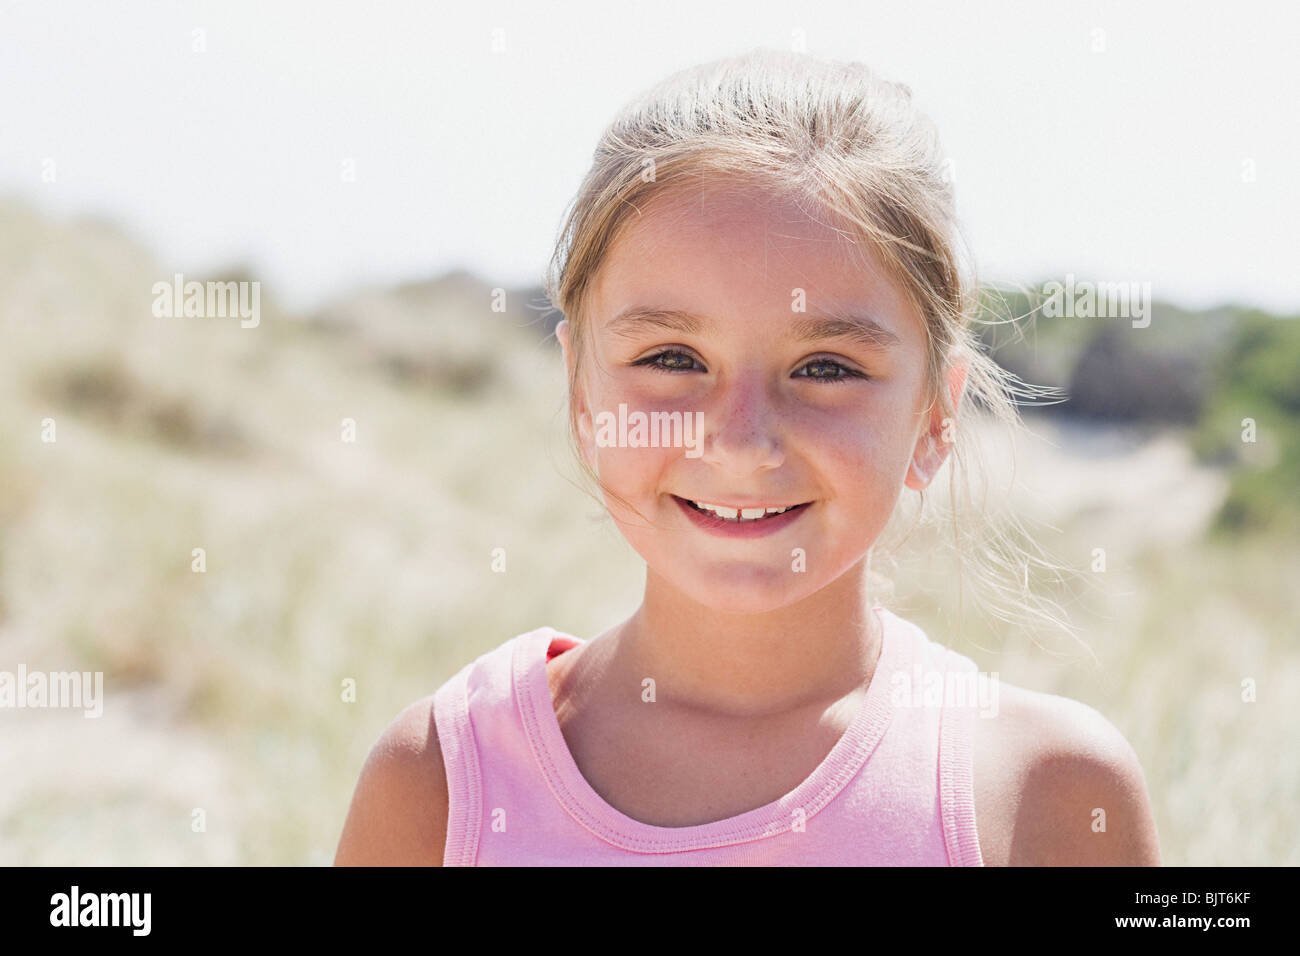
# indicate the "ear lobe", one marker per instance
pixel 927 462
pixel 924 464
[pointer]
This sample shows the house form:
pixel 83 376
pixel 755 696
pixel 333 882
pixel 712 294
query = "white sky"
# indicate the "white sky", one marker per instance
pixel 1125 164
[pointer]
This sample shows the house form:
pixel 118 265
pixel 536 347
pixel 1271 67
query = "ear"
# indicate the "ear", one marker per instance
pixel 936 441
pixel 562 333
pixel 586 434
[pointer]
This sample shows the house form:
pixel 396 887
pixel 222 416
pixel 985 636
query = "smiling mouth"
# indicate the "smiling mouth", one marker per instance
pixel 741 515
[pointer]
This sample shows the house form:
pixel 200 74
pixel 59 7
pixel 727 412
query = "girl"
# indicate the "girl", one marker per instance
pixel 765 244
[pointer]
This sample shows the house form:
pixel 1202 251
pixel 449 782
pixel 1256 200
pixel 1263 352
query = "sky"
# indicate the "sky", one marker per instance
pixel 333 146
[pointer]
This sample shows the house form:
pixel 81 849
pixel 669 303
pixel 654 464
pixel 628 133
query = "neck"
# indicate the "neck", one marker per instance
pixel 814 651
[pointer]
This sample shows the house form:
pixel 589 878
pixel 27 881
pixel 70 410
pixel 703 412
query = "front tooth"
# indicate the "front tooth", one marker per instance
pixel 752 513
pixel 719 510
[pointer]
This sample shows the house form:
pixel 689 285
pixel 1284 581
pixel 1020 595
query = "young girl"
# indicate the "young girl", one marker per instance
pixel 764 245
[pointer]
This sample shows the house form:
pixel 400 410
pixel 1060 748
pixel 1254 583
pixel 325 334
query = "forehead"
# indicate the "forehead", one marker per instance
pixel 741 252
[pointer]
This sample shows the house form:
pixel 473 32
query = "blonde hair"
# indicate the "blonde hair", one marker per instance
pixel 835 137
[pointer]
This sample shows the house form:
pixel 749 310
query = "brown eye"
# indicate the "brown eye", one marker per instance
pixel 674 361
pixel 831 371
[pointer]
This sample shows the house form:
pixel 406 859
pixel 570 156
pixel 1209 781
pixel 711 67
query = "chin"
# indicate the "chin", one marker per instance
pixel 746 589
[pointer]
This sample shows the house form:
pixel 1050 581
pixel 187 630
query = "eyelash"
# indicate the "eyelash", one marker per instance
pixel 650 361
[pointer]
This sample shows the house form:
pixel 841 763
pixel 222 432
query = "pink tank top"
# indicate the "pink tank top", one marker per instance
pixel 895 790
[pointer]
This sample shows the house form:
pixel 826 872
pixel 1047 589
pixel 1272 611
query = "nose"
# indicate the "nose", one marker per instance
pixel 742 429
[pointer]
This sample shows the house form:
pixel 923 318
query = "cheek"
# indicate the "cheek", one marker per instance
pixel 629 469
pixel 865 454
pixel 864 465
pixel 634 471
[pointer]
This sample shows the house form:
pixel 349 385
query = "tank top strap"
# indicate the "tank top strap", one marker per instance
pixel 461 766
pixel 966 693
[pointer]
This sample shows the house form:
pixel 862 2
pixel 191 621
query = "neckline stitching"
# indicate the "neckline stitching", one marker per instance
pixel 846 758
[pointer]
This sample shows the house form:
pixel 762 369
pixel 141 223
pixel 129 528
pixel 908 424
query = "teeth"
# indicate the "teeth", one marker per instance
pixel 744 514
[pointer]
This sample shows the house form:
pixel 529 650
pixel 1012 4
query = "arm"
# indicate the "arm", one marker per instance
pixel 398 815
pixel 1082 774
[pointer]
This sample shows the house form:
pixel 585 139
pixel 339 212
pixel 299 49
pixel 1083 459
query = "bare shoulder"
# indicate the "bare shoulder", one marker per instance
pixel 1056 784
pixel 398 815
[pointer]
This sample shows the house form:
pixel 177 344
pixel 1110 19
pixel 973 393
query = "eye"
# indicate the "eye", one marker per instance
pixel 677 357
pixel 834 370
pixel 677 361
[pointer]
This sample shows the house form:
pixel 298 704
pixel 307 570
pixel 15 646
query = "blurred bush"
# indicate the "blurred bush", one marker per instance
pixel 1117 379
pixel 1253 425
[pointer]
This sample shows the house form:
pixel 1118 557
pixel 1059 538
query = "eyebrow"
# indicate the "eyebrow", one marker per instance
pixel 860 329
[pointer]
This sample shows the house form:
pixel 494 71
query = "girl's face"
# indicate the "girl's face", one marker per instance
pixel 745 310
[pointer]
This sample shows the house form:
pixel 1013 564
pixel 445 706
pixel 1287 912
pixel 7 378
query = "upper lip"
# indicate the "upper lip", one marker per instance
pixel 751 505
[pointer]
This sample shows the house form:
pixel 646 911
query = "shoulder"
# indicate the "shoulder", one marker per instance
pixel 1056 784
pixel 398 815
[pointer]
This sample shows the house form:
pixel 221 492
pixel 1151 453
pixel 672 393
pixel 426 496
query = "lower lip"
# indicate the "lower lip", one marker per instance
pixel 741 529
